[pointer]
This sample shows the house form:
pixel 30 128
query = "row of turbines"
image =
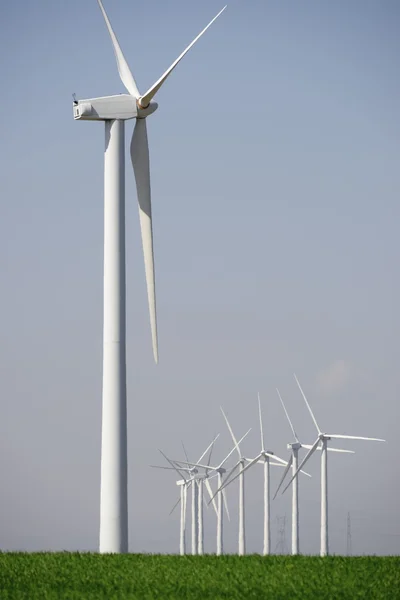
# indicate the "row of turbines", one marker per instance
pixel 197 476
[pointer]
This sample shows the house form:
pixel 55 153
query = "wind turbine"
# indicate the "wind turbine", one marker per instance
pixel 114 111
pixel 293 462
pixel 241 465
pixel 220 493
pixel 323 438
pixel 197 495
pixel 264 458
pixel 184 483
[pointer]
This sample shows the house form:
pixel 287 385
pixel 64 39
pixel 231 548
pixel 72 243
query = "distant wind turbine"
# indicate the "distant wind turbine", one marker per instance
pixel 323 438
pixel 220 493
pixel 184 483
pixel 241 465
pixel 197 495
pixel 293 462
pixel 264 458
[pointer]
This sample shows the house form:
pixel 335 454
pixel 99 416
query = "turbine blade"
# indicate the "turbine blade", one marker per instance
pixel 141 168
pixel 287 416
pixel 185 502
pixel 168 468
pixel 285 472
pixel 275 457
pixel 308 446
pixel 336 436
pixel 250 464
pixel 174 506
pixel 308 406
pixel 184 451
pixel 190 464
pixel 173 465
pixel 209 456
pixel 225 500
pixel 123 68
pixel 208 447
pixel 231 432
pixel 261 423
pixel 303 462
pixel 234 448
pixel 210 493
pixel 226 479
pixel 147 97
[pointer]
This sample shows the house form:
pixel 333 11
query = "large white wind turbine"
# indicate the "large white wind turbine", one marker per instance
pixel 323 438
pixel 114 111
pixel 293 462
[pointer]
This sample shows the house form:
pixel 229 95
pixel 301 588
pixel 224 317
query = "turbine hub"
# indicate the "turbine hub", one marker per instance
pixel 145 111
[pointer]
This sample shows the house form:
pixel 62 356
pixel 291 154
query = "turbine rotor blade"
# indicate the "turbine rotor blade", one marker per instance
pixel 184 502
pixel 303 462
pixel 210 493
pixel 335 436
pixel 148 96
pixel 261 423
pixel 190 464
pixel 168 468
pixel 208 447
pixel 287 416
pixel 225 500
pixel 173 465
pixel 234 448
pixel 174 507
pixel 184 451
pixel 231 432
pixel 123 68
pixel 209 456
pixel 250 464
pixel 289 464
pixel 227 478
pixel 275 457
pixel 308 446
pixel 308 406
pixel 141 168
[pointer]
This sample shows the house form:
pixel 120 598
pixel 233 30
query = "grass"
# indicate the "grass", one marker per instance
pixel 76 576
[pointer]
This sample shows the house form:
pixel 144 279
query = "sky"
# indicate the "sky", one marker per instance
pixel 275 180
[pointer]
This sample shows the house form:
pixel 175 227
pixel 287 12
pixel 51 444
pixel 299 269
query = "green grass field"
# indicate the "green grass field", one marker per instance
pixel 144 577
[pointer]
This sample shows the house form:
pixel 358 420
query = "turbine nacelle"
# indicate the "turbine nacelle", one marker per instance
pixel 121 106
pixel 294 446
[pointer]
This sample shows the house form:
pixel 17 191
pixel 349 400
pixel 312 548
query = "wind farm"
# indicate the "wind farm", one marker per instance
pixel 199 472
pixel 200 402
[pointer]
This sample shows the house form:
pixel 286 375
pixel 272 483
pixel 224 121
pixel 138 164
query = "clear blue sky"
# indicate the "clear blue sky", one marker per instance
pixel 276 180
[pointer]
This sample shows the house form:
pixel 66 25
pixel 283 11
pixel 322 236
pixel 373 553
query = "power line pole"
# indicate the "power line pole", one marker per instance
pixel 349 550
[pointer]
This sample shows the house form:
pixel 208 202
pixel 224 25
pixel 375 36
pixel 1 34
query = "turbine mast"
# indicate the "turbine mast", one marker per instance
pixel 295 503
pixel 324 498
pixel 114 457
